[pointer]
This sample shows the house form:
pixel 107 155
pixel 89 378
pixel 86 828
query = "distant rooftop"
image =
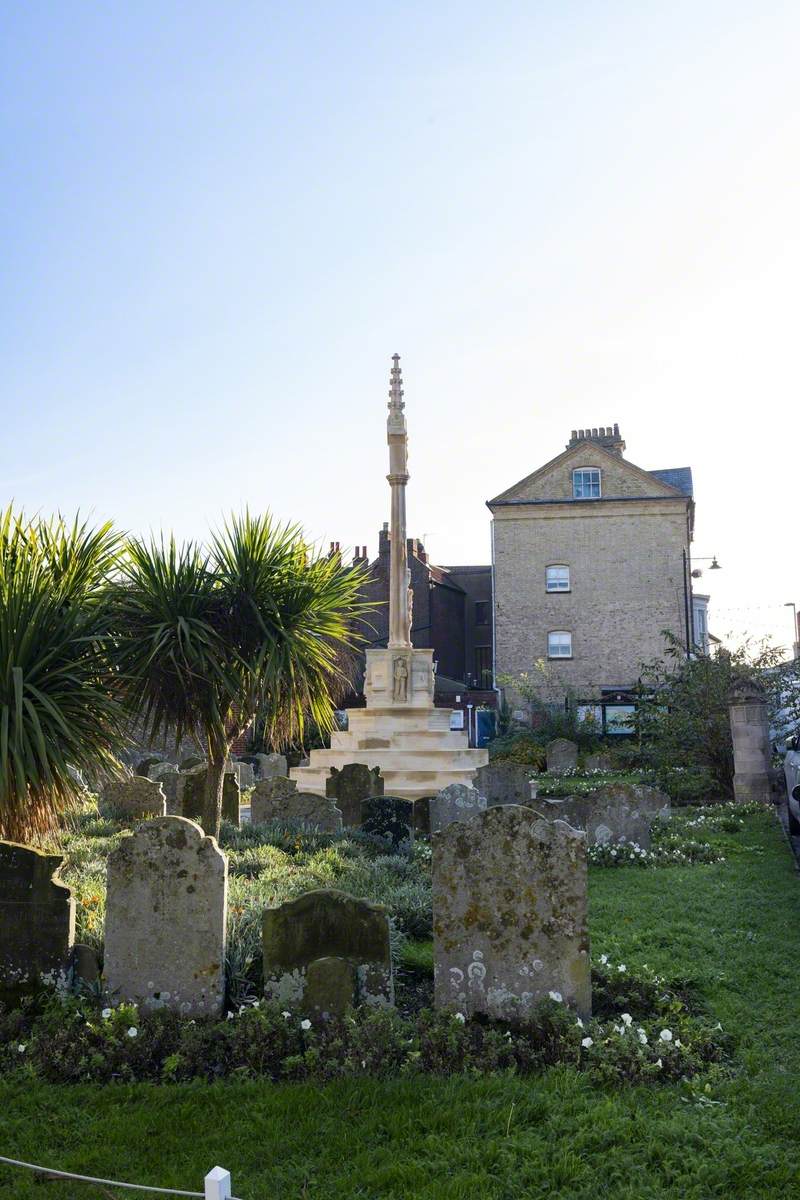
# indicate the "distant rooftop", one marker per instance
pixel 679 478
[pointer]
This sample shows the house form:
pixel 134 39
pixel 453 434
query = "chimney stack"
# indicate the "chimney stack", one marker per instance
pixel 607 436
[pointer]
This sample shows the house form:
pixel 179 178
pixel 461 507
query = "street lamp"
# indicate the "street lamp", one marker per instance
pixel 795 646
pixel 688 575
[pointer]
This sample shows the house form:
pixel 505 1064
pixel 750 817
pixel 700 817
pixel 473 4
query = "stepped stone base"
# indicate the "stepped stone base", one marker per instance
pixel 409 739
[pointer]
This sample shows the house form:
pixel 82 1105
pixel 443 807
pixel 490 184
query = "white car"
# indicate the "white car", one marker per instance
pixel 791 769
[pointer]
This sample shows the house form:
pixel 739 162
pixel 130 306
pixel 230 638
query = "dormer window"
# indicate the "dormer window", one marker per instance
pixel 586 483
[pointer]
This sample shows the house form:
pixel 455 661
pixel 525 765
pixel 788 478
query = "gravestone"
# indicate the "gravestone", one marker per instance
pixel 299 808
pixel 352 784
pixel 165 918
pixel 509 914
pixel 504 783
pixel 144 764
pixel 191 761
pixel 191 795
pixel 170 784
pixel 325 952
pixel 37 918
pixel 421 815
pixel 268 766
pixel 160 768
pixel 269 793
pixel 389 817
pixel 620 813
pixel 751 744
pixel 85 966
pixel 457 802
pixel 135 798
pixel 562 755
pixel 598 762
pixel 247 775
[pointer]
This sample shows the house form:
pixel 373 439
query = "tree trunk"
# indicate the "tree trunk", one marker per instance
pixel 215 781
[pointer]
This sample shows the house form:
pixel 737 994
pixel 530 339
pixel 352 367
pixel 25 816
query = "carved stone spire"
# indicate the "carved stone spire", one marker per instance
pixel 399 575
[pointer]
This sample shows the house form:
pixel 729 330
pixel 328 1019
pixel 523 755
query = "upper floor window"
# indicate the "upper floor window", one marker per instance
pixel 557 579
pixel 586 483
pixel 481 612
pixel 559 644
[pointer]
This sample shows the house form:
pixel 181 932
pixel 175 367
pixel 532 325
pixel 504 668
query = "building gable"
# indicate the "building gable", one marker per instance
pixel 553 481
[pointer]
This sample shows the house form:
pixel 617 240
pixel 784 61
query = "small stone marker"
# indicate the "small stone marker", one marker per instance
pixel 299 808
pixel 325 952
pixel 598 762
pixel 84 963
pixel 389 817
pixel 562 755
pixel 191 795
pixel 504 783
pixel 269 794
pixel 352 784
pixel 620 813
pixel 165 918
pixel 457 802
pixel 510 914
pixel 37 917
pixel 132 799
pixel 268 766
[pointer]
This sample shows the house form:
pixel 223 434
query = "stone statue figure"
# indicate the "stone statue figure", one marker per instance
pixel 410 608
pixel 400 679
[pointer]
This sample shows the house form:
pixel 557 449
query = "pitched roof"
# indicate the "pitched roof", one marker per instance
pixel 679 478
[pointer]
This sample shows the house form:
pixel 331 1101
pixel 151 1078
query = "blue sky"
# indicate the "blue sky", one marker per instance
pixel 219 222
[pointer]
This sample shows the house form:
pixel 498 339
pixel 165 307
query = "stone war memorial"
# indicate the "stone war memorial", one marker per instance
pixel 37 917
pixel 165 918
pixel 326 952
pixel 400 731
pixel 510 914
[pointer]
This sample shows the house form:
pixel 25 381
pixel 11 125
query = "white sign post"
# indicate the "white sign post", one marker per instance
pixel 218 1184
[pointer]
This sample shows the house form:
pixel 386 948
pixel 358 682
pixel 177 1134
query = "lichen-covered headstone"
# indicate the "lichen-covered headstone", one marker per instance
pixel 170 784
pixel 243 771
pixel 165 918
pixel 269 794
pixel 509 914
pixel 192 790
pixel 457 802
pixel 389 817
pixel 504 783
pixel 598 762
pixel 160 768
pixel 132 799
pixel 325 952
pixel 299 808
pixel 620 813
pixel 562 755
pixel 37 918
pixel 269 766
pixel 350 785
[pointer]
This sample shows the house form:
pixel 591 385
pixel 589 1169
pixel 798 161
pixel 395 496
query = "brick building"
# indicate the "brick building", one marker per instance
pixel 591 563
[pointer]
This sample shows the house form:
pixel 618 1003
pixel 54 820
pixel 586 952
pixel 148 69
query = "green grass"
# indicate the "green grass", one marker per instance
pixel 732 927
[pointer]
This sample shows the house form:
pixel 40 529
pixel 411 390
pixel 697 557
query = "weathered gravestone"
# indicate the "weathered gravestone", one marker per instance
pixel 132 799
pixel 160 768
pixel 299 808
pixel 269 793
pixel 37 918
pixel 457 802
pixel 509 914
pixel 389 817
pixel 504 783
pixel 598 762
pixel 190 762
pixel 352 784
pixel 268 766
pixel 325 952
pixel 620 813
pixel 170 784
pixel 243 772
pixel 421 815
pixel 165 918
pixel 191 795
pixel 562 755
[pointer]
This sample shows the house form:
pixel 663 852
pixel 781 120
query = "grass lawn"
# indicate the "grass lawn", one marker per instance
pixel 732 927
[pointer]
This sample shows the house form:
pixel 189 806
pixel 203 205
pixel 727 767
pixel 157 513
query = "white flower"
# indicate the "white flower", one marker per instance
pixel 659 1063
pixel 626 1018
pixel 620 1029
pixel 286 1015
pixel 305 1024
pixel 622 967
pixel 587 1042
pixel 231 1016
pixel 133 1031
pixel 105 1014
pixel 579 1023
pixel 642 1037
pixel 21 1048
pixel 556 996
pixel 603 959
pixel 666 1035
pixel 677 1041
pixel 460 1017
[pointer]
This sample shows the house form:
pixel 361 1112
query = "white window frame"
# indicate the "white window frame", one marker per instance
pixel 559 633
pixel 567 584
pixel 580 471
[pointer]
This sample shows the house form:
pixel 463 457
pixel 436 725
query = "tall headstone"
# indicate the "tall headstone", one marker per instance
pixel 562 755
pixel 132 799
pixel 389 817
pixel 268 766
pixel 751 745
pixel 458 802
pixel 37 918
pixel 165 918
pixel 504 783
pixel 327 951
pixel 350 785
pixel 509 914
pixel 620 813
pixel 192 790
pixel 268 795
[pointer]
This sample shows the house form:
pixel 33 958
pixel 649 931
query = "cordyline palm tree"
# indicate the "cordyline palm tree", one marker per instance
pixel 251 627
pixel 58 702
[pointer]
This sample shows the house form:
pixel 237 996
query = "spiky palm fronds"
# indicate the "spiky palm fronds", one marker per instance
pixel 58 706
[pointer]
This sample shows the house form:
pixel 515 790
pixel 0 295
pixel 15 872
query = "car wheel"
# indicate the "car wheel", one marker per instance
pixel 794 824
